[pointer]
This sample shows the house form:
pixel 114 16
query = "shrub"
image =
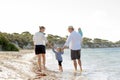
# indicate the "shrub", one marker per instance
pixel 11 47
pixel 3 40
pixel 6 45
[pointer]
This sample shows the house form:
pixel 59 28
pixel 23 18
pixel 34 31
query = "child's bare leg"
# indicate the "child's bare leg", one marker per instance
pixel 60 66
pixel 61 69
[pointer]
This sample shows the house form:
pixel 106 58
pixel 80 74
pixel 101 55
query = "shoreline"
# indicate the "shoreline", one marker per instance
pixel 22 66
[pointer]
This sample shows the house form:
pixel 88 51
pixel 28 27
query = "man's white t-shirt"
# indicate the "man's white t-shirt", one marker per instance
pixel 74 41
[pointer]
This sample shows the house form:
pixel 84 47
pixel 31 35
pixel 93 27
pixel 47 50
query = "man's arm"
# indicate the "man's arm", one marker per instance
pixel 67 42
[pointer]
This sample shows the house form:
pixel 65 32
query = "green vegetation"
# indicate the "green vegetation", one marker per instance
pixel 6 45
pixel 98 43
pixel 54 39
pixel 21 40
pixel 8 42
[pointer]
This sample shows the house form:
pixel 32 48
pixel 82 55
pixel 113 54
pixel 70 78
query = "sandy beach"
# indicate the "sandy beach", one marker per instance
pixel 21 66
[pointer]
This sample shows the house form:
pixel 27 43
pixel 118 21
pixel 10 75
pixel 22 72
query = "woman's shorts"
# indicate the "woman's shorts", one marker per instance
pixel 40 49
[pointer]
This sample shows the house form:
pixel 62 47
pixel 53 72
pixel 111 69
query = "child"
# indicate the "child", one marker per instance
pixel 58 54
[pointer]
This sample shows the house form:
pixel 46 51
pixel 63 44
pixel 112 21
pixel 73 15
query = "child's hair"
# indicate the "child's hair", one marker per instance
pixel 60 49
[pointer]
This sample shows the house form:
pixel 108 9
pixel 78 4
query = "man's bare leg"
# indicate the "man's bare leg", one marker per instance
pixel 44 60
pixel 80 64
pixel 75 64
pixel 39 61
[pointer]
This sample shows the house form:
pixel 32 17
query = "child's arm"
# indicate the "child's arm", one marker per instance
pixel 53 49
pixel 62 52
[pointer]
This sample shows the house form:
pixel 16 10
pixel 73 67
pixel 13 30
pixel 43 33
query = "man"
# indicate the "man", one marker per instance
pixel 74 43
pixel 40 42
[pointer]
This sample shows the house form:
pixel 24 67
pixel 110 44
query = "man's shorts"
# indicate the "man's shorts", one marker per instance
pixel 40 49
pixel 75 54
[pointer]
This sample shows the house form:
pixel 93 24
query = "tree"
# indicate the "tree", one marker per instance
pixel 97 41
pixel 3 40
pixel 26 38
pixel 87 40
pixel 6 45
pixel 118 42
pixel 54 39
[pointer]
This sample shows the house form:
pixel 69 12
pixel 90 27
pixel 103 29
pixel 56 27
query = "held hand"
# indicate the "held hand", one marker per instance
pixel 63 47
pixel 49 45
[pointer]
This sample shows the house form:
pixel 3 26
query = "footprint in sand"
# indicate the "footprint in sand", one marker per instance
pixel 39 75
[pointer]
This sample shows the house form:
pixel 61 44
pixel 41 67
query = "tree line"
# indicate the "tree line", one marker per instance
pixel 99 43
pixel 24 40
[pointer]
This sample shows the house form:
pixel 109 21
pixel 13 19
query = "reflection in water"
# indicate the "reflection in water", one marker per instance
pixel 75 75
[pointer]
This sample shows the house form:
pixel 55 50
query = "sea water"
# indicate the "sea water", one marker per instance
pixel 98 64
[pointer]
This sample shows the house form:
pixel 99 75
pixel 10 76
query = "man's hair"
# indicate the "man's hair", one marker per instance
pixel 70 27
pixel 41 27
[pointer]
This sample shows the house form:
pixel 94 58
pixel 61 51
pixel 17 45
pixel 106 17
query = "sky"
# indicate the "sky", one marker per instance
pixel 97 18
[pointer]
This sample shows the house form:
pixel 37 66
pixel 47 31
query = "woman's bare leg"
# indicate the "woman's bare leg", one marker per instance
pixel 44 60
pixel 39 61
